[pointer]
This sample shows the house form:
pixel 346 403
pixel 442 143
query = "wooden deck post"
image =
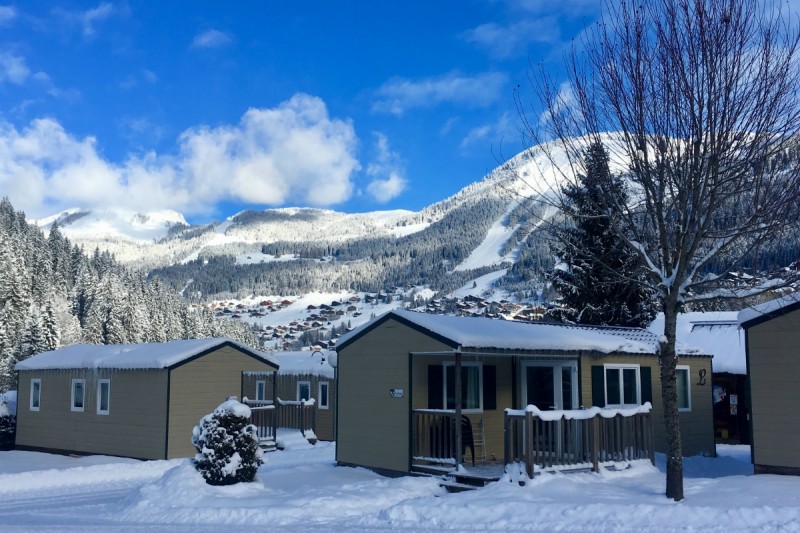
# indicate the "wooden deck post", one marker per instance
pixel 457 384
pixel 594 429
pixel 275 406
pixel 506 440
pixel 529 444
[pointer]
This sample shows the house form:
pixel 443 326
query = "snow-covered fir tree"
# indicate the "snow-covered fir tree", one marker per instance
pixel 599 276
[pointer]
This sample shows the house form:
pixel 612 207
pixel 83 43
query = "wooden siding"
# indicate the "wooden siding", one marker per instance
pixel 773 349
pixel 135 426
pixel 200 385
pixel 373 427
pixel 697 425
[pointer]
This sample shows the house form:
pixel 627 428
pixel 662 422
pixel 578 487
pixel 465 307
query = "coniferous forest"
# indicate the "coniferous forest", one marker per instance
pixel 54 294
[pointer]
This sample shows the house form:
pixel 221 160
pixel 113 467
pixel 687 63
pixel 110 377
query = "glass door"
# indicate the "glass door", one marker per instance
pixel 550 385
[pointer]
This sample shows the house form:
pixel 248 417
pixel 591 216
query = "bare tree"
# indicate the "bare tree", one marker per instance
pixel 697 102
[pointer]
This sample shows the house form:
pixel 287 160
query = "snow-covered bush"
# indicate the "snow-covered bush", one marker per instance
pixel 227 445
pixel 8 421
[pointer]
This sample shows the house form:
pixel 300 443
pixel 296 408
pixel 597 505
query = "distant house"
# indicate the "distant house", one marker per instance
pixel 772 333
pixel 397 383
pixel 718 333
pixel 303 375
pixel 132 400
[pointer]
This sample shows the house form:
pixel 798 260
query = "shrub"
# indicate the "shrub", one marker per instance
pixel 8 425
pixel 227 445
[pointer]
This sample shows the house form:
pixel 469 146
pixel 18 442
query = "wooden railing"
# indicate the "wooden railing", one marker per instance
pixel 262 416
pixel 585 438
pixel 433 434
pixel 287 414
pixel 298 414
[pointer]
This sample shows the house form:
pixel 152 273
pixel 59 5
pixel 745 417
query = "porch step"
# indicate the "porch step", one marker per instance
pixel 461 482
pixel 267 445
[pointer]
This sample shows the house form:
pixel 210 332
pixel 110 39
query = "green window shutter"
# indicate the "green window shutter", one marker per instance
pixel 647 384
pixel 489 387
pixel 435 392
pixel 598 386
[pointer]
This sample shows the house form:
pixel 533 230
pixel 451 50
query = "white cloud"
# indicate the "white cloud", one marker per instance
pixel 7 14
pixel 293 152
pixel 386 172
pixel 512 40
pixel 13 68
pixel 399 94
pixel 211 39
pixel 503 131
pixel 90 17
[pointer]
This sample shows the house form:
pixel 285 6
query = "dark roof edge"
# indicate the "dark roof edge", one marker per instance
pixel 223 343
pixel 392 315
pixel 786 309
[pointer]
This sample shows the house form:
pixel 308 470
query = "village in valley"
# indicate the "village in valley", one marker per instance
pixel 278 267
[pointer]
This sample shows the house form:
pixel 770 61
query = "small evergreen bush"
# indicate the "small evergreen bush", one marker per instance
pixel 227 445
pixel 8 425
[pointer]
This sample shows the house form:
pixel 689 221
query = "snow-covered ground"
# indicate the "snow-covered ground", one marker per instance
pixel 301 489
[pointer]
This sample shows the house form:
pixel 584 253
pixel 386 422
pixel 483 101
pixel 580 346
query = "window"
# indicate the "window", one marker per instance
pixel 261 390
pixel 622 385
pixel 36 394
pixel 303 390
pixel 471 386
pixel 684 388
pixel 78 387
pixel 323 395
pixel 103 396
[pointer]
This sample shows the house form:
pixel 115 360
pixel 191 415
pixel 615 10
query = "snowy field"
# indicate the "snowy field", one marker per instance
pixel 300 489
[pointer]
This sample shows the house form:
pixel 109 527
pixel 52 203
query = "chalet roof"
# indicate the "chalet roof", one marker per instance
pixel 306 362
pixel 714 332
pixel 760 313
pixel 475 333
pixel 134 356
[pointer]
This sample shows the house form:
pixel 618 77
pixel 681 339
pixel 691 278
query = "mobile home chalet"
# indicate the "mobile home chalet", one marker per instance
pixel 398 385
pixel 136 400
pixel 772 333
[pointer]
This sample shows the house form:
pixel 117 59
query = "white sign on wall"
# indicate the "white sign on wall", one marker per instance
pixel 396 393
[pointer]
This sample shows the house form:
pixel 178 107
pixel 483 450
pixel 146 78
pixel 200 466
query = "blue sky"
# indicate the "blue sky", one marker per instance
pixel 212 107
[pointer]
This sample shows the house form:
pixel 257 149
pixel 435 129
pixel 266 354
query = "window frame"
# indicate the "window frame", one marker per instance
pixel 323 400
pixel 620 367
pixel 72 396
pixel 261 386
pixel 688 370
pixel 297 389
pixel 38 388
pixel 100 383
pixel 464 365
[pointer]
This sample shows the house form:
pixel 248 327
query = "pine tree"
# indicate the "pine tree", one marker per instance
pixel 599 277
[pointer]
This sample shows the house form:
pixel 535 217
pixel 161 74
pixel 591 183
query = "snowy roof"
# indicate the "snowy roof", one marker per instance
pixel 315 363
pixel 132 356
pixel 768 309
pixel 715 333
pixel 486 333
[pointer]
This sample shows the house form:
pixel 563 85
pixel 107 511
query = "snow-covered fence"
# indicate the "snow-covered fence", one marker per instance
pixel 285 414
pixel 298 414
pixel 577 439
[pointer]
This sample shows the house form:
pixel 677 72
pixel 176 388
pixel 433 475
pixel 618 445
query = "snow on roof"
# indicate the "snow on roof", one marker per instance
pixel 716 333
pixel 130 356
pixel 315 363
pixel 476 333
pixel 760 310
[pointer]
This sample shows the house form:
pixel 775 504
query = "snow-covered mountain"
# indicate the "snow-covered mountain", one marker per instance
pixel 83 225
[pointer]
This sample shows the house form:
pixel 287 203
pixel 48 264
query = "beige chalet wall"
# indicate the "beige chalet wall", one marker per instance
pixel 199 386
pixel 697 425
pixel 774 373
pixel 373 427
pixel 135 426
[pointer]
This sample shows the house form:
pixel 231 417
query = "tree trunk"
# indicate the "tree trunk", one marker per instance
pixel 668 360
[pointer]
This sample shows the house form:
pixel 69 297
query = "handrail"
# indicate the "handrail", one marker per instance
pixel 579 438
